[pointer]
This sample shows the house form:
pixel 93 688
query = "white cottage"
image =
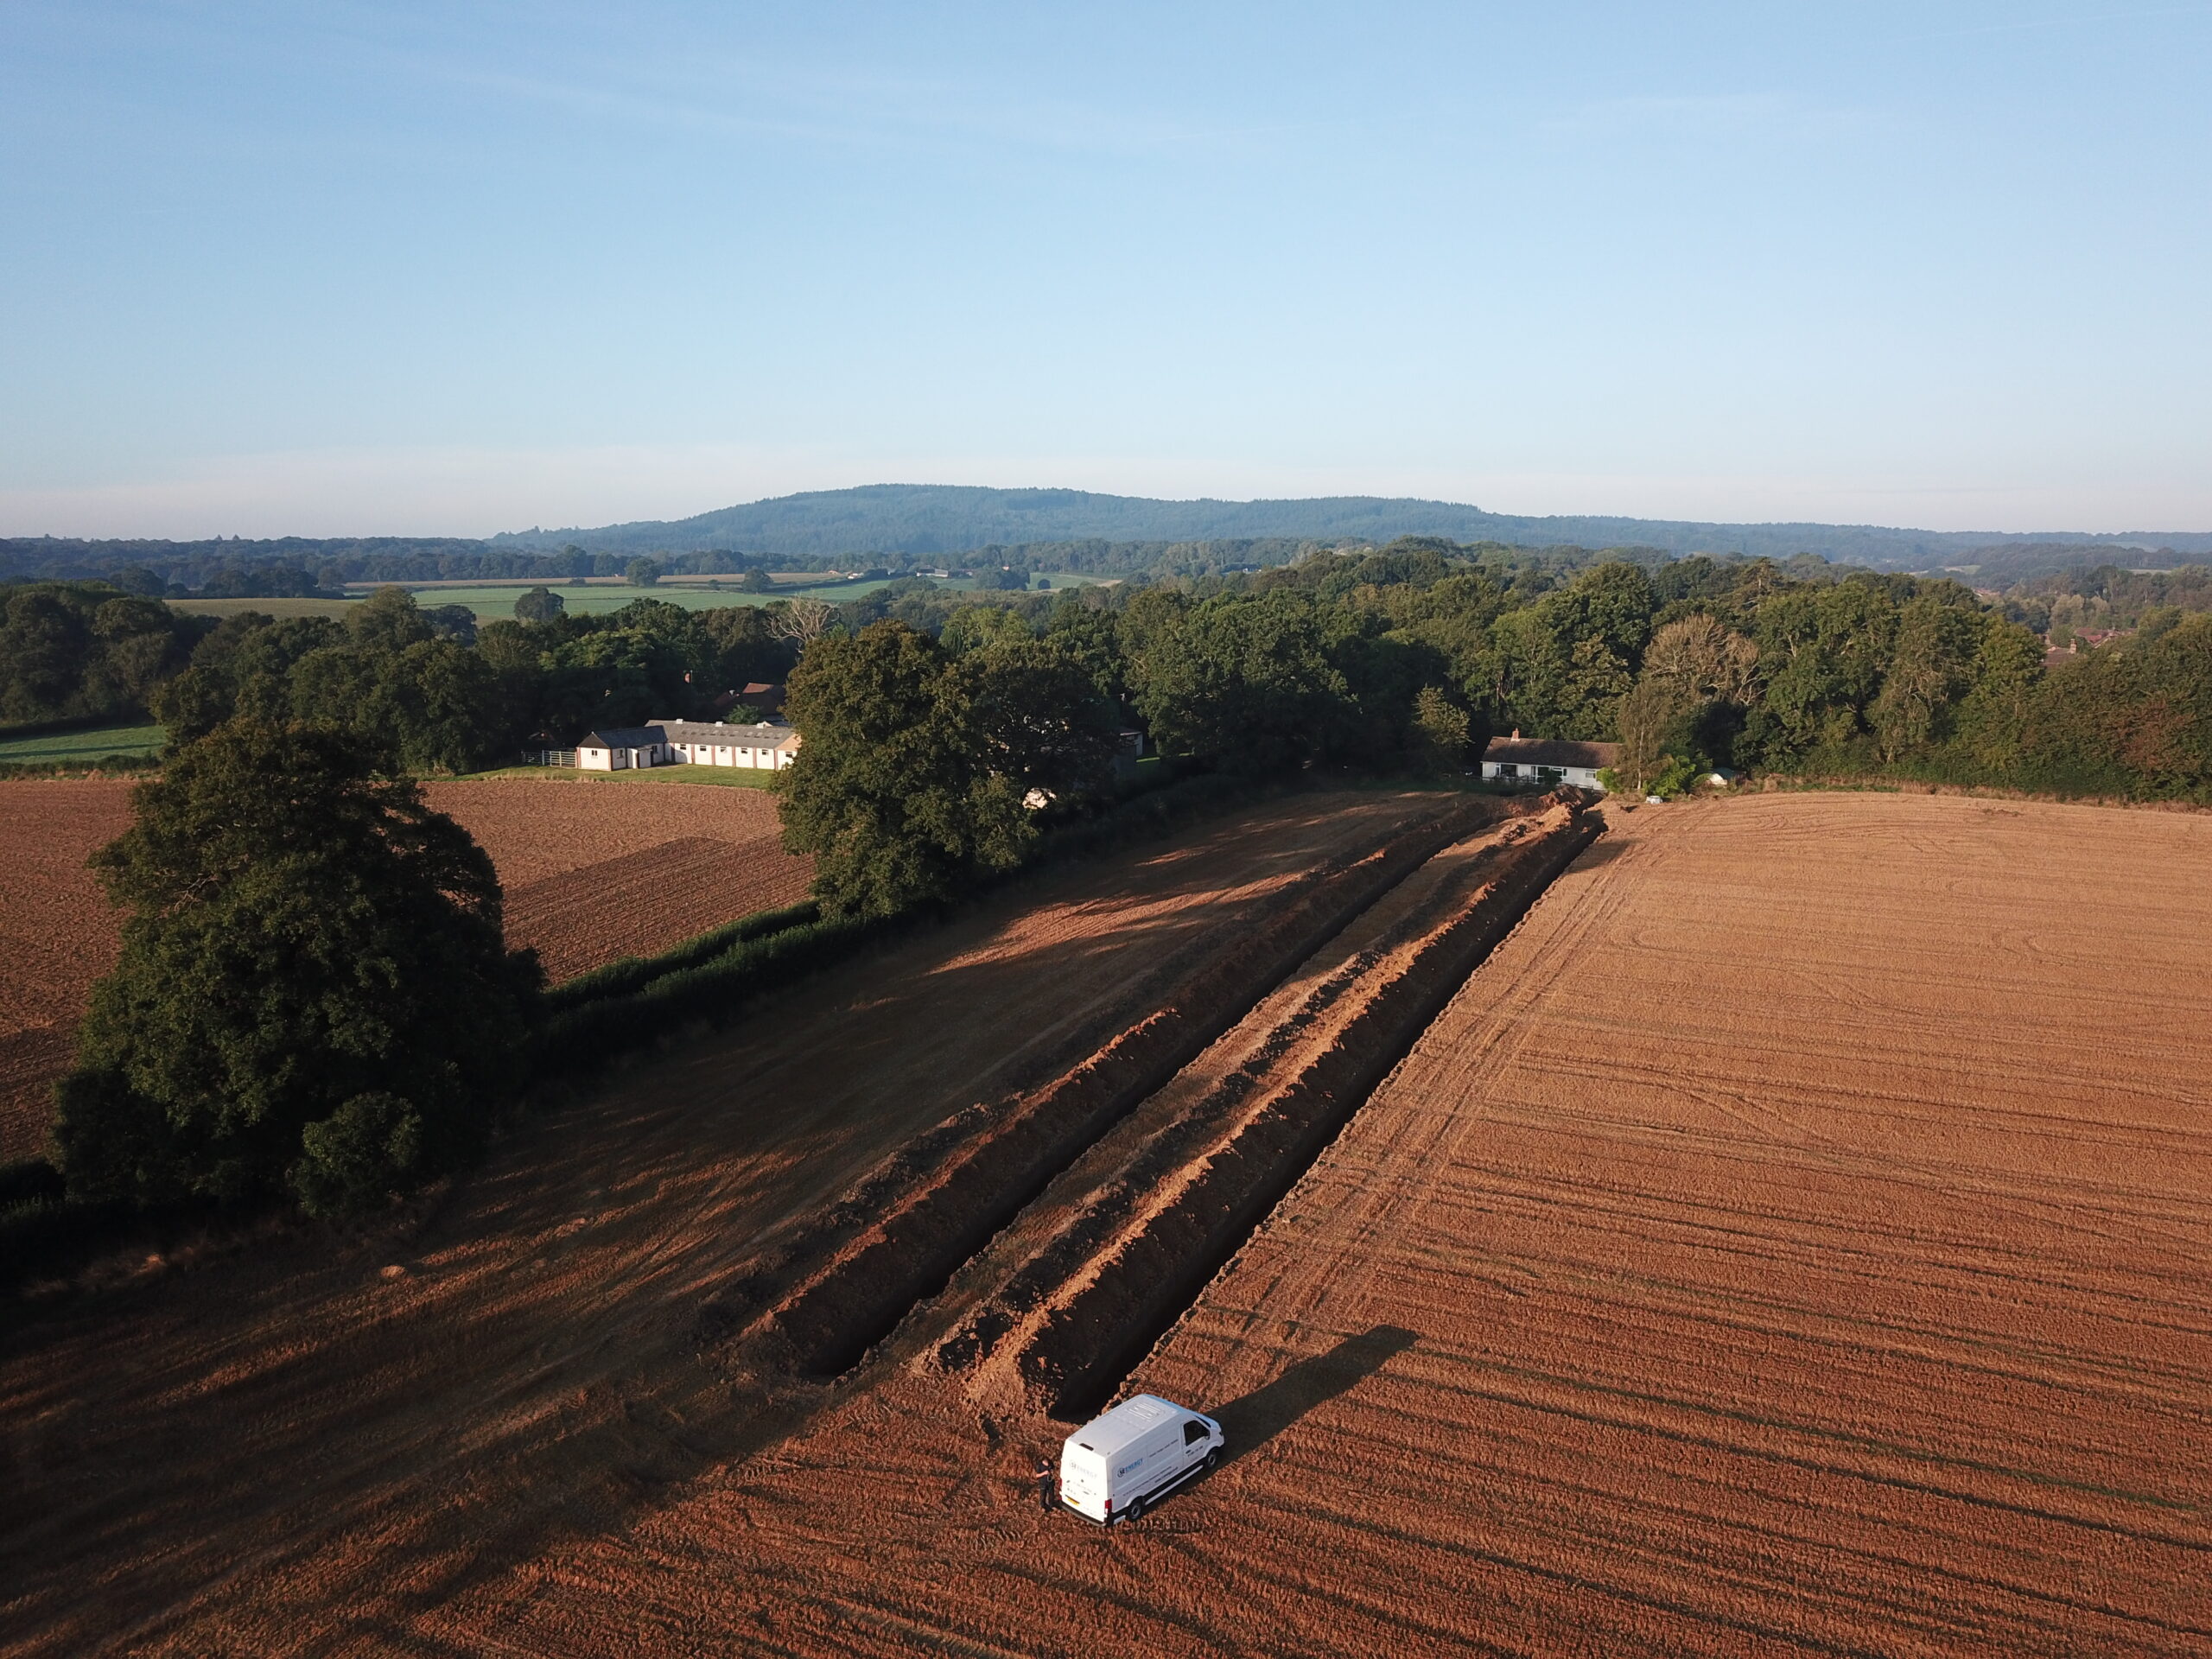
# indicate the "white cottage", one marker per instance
pixel 1547 761
pixel 620 748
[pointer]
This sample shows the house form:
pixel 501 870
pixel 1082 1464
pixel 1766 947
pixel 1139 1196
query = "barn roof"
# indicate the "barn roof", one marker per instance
pixel 622 737
pixel 765 735
pixel 1551 751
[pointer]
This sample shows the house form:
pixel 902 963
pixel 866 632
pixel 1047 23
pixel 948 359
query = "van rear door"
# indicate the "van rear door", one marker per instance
pixel 1084 1486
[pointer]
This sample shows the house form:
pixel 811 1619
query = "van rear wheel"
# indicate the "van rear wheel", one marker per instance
pixel 1135 1510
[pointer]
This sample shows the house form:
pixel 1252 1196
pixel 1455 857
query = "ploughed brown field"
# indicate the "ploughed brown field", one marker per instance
pixel 57 936
pixel 1794 1237
pixel 588 881
pixel 591 874
pixel 290 1449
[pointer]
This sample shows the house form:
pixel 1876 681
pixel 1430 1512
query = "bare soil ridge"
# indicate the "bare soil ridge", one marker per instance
pixel 1068 1325
pixel 939 1200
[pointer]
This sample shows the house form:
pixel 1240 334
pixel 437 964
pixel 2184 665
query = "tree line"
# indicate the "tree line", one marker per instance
pixel 292 566
pixel 1410 657
pixel 87 650
pixel 445 694
pixel 314 1002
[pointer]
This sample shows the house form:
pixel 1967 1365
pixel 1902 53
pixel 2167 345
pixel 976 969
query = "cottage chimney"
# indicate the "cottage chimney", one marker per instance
pixel 1516 733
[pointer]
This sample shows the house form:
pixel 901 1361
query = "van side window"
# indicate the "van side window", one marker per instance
pixel 1193 1432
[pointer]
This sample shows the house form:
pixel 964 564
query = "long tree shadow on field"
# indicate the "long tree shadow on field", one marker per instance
pixel 1250 1422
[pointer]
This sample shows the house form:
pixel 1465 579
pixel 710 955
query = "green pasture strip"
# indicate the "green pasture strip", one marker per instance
pixel 65 748
pixel 492 604
pixel 725 777
pixel 494 601
pixel 282 609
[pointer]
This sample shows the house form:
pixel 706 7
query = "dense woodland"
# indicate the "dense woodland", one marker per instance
pixel 85 650
pixel 448 696
pixel 284 876
pixel 1411 655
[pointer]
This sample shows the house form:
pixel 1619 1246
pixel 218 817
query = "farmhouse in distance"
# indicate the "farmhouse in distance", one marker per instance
pixel 697 742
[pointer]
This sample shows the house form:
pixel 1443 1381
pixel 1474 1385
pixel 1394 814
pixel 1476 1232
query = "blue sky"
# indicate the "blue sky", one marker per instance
pixel 328 269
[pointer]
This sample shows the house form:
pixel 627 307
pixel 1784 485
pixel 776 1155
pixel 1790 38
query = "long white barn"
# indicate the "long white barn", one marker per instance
pixel 694 742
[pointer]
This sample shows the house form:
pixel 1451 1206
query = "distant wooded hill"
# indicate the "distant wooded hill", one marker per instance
pixel 896 525
pixel 928 520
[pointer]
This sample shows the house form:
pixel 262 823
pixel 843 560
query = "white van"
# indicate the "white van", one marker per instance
pixel 1116 1466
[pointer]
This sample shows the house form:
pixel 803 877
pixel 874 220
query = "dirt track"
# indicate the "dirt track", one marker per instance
pixel 1797 1238
pixel 290 1451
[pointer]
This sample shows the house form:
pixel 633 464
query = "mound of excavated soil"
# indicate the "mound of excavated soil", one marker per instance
pixel 942 1198
pixel 1238 1126
pixel 1796 1238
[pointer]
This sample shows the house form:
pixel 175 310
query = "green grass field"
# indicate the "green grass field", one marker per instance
pixel 494 599
pixel 727 777
pixel 65 748
pixel 277 607
pixel 493 602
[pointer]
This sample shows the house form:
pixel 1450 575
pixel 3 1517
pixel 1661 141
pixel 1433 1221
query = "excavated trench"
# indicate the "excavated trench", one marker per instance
pixel 1037 1247
pixel 898 1237
pixel 1067 1302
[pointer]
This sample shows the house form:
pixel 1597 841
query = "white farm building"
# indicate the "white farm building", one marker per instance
pixel 1547 761
pixel 695 742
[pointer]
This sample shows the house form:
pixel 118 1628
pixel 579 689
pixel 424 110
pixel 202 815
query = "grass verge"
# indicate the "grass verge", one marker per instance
pixel 139 739
pixel 723 777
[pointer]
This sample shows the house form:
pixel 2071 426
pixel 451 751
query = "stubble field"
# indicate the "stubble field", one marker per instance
pixel 590 874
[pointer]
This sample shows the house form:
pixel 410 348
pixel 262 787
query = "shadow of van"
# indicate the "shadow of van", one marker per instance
pixel 1250 1422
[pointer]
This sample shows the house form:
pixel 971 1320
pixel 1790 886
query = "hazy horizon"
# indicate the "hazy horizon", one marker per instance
pixel 421 271
pixel 346 530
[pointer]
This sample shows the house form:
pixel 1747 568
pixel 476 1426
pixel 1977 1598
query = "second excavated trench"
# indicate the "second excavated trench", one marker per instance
pixel 896 1239
pixel 1063 1308
pixel 1044 1256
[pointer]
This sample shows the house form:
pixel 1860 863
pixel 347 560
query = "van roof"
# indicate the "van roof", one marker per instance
pixel 1126 1424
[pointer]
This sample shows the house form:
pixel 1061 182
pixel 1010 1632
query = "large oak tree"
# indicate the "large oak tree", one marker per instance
pixel 314 994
